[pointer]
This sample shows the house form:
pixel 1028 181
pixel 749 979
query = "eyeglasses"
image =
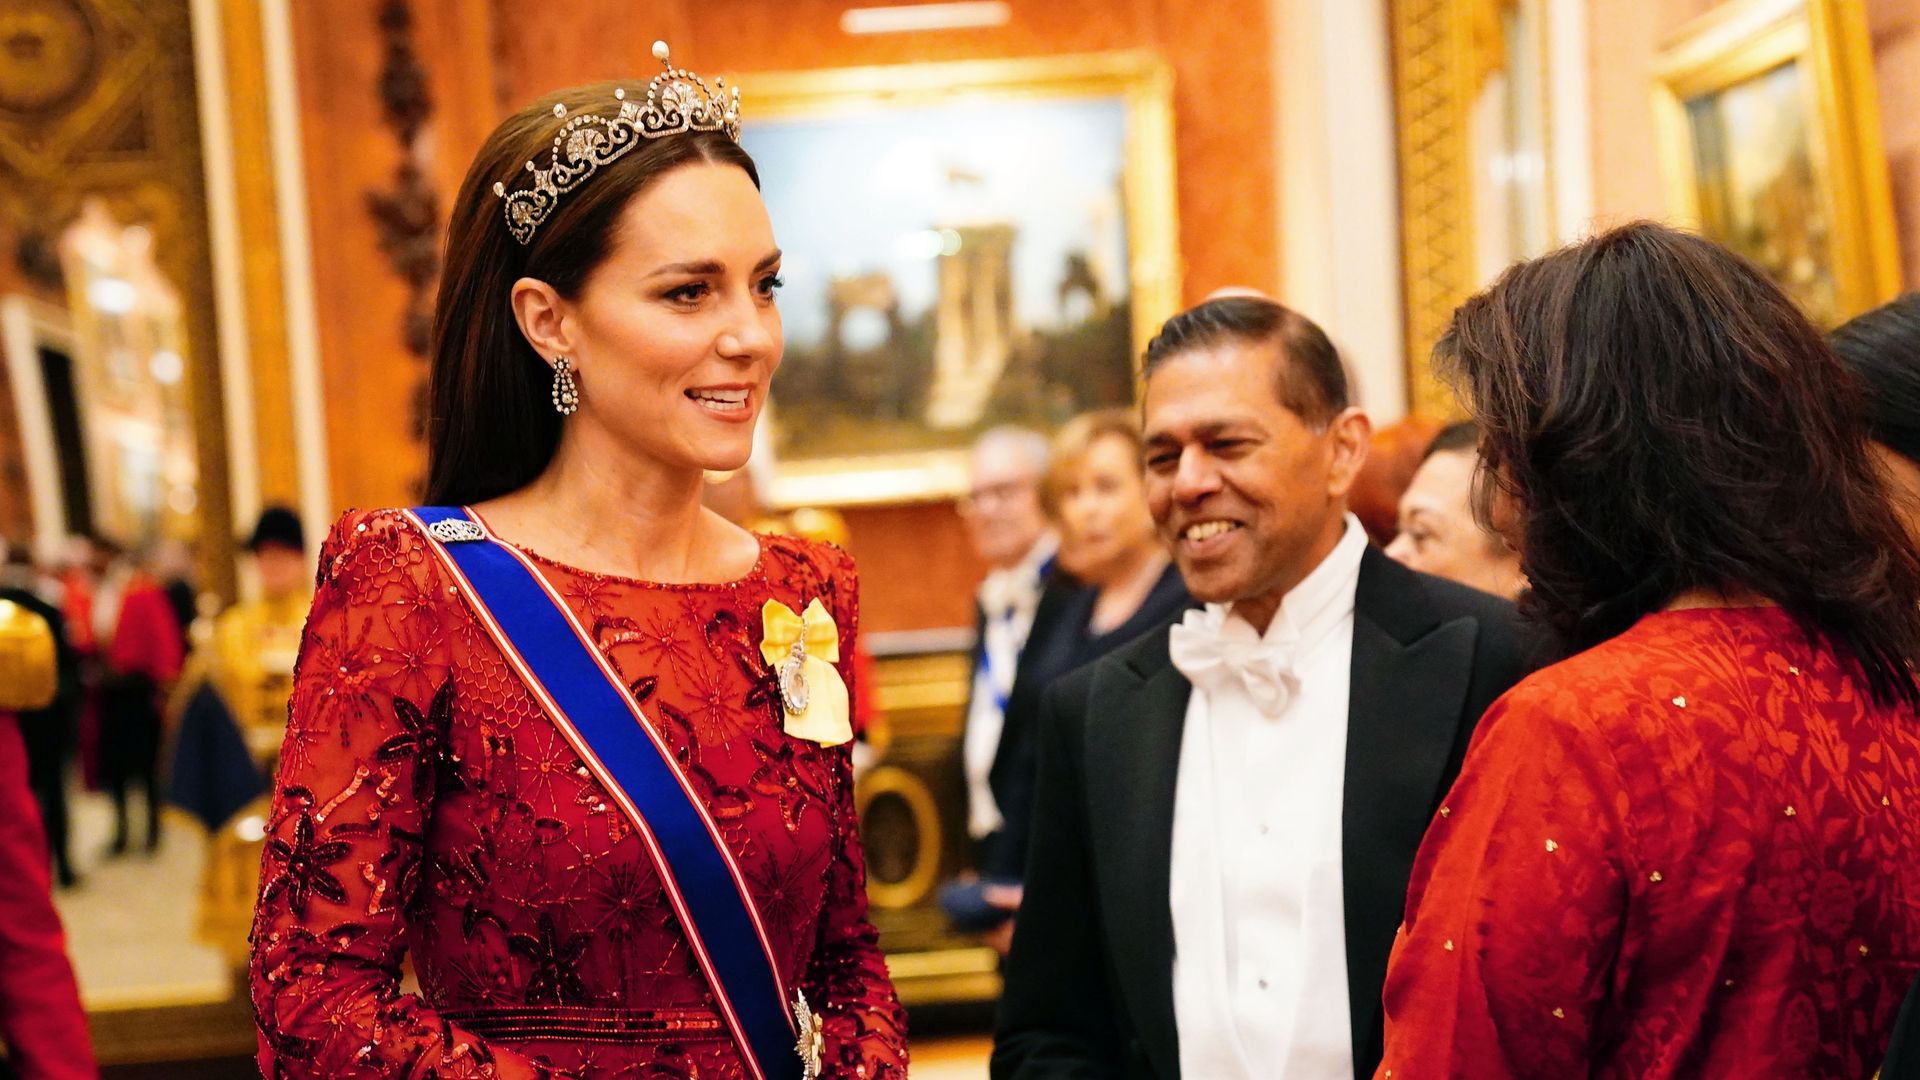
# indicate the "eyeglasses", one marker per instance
pixel 990 495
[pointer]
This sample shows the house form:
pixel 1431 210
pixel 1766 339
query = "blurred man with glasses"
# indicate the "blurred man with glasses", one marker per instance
pixel 1008 524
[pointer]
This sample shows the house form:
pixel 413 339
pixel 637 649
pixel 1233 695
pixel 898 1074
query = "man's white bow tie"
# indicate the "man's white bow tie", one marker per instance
pixel 1212 659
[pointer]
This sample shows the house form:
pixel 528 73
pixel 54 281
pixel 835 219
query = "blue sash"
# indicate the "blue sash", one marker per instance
pixel 571 678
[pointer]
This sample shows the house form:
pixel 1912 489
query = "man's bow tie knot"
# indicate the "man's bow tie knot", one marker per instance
pixel 1212 657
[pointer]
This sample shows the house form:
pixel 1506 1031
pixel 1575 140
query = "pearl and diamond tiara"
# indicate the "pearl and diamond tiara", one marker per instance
pixel 677 101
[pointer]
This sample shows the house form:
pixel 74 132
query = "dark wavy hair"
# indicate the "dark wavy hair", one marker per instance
pixel 1664 419
pixel 1882 347
pixel 492 426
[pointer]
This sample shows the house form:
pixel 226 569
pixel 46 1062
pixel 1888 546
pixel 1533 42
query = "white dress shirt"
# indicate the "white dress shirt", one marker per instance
pixel 1007 598
pixel 1260 969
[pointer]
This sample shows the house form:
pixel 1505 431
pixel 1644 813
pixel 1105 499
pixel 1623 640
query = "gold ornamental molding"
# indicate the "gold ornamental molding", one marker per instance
pixel 97 101
pixel 1440 56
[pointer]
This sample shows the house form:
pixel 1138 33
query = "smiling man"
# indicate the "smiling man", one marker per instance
pixel 1228 809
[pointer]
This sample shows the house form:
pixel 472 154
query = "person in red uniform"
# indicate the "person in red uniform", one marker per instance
pixel 606 334
pixel 143 654
pixel 1692 849
pixel 41 1021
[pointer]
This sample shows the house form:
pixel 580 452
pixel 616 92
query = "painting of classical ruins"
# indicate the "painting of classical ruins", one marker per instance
pixel 950 266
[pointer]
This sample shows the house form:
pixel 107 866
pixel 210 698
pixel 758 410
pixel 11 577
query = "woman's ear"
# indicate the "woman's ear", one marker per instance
pixel 542 314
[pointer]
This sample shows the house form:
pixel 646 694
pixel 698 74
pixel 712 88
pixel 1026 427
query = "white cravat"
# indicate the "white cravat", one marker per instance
pixel 1260 986
pixel 1008 598
pixel 1216 655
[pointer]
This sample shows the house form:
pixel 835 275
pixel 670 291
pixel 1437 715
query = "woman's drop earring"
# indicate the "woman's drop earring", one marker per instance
pixel 566 396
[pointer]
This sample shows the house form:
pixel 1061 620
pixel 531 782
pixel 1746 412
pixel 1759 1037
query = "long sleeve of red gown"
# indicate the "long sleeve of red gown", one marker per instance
pixel 40 1015
pixel 866 1030
pixel 341 864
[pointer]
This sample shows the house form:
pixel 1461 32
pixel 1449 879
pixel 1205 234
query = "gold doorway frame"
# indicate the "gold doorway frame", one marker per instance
pixel 1440 52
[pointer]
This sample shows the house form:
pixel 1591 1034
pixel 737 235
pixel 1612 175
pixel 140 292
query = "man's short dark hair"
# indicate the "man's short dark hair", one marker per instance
pixel 1312 383
pixel 1459 437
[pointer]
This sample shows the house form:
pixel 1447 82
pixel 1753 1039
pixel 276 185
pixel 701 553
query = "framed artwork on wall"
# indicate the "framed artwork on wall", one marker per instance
pixel 966 245
pixel 1770 144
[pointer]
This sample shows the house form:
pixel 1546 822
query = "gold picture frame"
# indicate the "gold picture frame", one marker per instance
pixel 813 109
pixel 1770 143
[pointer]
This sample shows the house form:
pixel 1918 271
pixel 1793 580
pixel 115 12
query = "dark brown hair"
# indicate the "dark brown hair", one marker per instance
pixel 1312 382
pixel 1882 347
pixel 493 426
pixel 1459 437
pixel 1665 420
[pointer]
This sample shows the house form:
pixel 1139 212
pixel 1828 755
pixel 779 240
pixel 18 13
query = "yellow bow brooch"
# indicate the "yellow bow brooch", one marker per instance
pixel 802 650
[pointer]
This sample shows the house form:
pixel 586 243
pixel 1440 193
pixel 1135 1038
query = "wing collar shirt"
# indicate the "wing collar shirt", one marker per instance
pixel 1259 985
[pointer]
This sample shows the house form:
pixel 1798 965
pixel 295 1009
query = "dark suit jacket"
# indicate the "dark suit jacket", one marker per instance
pixel 1059 642
pixel 1059 595
pixel 1903 1049
pixel 1089 985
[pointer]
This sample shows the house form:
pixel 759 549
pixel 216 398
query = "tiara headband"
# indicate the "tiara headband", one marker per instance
pixel 677 101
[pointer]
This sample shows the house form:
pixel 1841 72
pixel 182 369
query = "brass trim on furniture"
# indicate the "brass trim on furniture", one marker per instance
pixel 892 780
pixel 946 976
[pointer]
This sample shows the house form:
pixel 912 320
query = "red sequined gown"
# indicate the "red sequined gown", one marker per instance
pixel 1693 851
pixel 426 807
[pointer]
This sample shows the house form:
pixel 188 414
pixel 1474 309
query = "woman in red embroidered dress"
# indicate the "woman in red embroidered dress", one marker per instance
pixel 425 804
pixel 1692 850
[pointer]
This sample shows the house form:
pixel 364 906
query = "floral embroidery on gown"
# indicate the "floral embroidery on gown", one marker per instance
pixel 1692 851
pixel 427 808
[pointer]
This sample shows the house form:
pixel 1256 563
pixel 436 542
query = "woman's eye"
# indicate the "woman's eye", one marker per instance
pixel 689 293
pixel 771 284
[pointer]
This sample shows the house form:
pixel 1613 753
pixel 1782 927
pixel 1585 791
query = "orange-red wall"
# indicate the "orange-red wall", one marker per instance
pixel 350 152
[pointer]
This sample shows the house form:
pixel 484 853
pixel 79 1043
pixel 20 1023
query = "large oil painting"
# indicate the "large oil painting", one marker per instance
pixel 982 252
pixel 1757 187
pixel 1772 148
